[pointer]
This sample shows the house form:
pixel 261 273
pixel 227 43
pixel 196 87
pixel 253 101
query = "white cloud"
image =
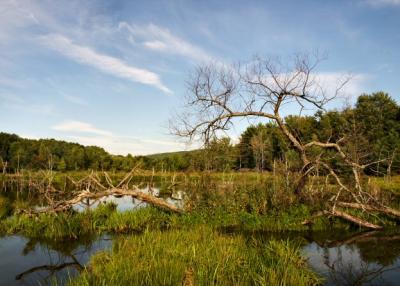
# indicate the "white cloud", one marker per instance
pixel 122 145
pixel 160 39
pixel 105 63
pixel 80 127
pixel 330 81
pixel 87 134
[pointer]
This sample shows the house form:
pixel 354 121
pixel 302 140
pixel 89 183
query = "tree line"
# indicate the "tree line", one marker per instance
pixel 371 129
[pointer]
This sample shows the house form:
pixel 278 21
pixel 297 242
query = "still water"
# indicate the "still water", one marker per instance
pixel 32 262
pixel 365 258
pixel 351 259
pixel 341 258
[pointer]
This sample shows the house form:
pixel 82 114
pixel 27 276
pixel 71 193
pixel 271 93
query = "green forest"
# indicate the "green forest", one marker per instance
pixel 371 128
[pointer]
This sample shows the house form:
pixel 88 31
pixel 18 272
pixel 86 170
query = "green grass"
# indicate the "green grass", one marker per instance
pixel 105 219
pixel 200 255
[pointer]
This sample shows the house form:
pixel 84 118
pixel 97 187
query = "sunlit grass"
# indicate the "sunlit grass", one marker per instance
pixel 200 256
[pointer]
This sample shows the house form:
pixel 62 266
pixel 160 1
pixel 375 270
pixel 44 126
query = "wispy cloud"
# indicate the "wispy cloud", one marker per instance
pixel 105 63
pixel 161 39
pixel 10 82
pixel 15 102
pixel 87 134
pixel 75 100
pixel 383 2
pixel 80 127
pixel 10 98
pixel 127 145
pixel 330 81
pixel 13 17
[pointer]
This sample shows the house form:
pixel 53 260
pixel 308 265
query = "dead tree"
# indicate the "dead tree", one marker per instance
pixel 219 94
pixel 92 189
pixel 263 89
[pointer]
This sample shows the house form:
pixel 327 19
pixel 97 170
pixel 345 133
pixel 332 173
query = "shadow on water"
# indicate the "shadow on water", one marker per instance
pixel 342 257
pixel 26 261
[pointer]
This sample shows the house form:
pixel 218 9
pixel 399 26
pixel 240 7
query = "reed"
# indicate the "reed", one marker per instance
pixel 199 256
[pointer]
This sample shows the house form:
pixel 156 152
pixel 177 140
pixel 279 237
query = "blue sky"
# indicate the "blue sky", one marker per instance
pixel 110 73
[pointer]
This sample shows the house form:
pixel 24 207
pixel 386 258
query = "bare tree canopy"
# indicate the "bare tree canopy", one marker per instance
pixel 261 88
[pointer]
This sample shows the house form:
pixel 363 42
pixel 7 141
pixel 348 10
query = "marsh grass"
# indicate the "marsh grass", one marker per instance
pixel 5 207
pixel 105 219
pixel 199 256
pixel 250 201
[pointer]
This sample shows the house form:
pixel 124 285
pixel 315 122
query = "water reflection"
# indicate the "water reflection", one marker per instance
pixel 125 203
pixel 38 262
pixel 340 257
pixel 366 258
pixel 12 201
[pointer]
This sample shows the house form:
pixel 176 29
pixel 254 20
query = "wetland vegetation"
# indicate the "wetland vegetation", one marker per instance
pixel 300 200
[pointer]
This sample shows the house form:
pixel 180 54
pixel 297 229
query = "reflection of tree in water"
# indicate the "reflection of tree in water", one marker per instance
pixel 380 249
pixel 51 268
pixel 361 259
pixel 356 272
pixel 61 255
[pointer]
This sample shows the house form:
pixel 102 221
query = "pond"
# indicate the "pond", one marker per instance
pixel 342 258
pixel 24 261
pixel 363 258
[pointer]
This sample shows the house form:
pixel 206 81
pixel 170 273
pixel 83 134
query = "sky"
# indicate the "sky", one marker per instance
pixel 111 73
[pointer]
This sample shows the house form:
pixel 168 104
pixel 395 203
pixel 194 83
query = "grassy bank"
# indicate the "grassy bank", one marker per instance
pixel 199 256
pixel 105 219
pixel 249 202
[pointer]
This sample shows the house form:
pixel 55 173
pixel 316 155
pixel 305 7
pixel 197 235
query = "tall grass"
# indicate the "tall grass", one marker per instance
pixel 200 256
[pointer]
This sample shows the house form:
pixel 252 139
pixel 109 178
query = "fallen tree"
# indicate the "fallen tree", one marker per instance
pixel 95 190
pixel 342 215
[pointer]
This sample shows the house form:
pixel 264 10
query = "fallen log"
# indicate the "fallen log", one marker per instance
pixel 345 216
pixel 385 210
pixel 84 195
pixel 354 219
